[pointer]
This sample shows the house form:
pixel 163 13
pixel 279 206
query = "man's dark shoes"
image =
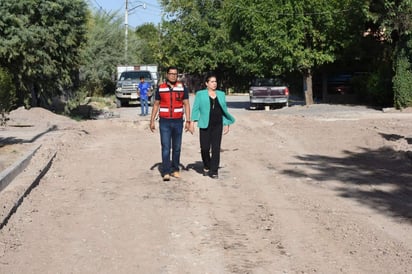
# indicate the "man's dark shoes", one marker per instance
pixel 205 172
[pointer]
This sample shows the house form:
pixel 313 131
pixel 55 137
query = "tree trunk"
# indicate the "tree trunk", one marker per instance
pixel 307 87
pixel 34 98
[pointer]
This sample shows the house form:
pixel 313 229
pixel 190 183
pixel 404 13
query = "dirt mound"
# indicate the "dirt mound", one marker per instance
pixel 35 116
pixel 27 128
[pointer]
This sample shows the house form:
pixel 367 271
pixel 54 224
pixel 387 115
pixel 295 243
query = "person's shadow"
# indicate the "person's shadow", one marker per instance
pixel 197 166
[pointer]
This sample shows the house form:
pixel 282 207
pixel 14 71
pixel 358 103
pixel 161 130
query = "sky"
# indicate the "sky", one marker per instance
pixel 137 14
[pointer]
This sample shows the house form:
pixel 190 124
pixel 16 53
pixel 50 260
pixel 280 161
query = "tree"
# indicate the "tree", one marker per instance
pixel 7 92
pixel 403 77
pixel 194 36
pixel 390 22
pixel 273 37
pixel 40 44
pixel 148 36
pixel 262 38
pixel 268 37
pixel 103 52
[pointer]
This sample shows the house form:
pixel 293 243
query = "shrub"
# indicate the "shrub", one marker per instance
pixel 402 81
pixel 75 100
pixel 7 94
pixel 375 88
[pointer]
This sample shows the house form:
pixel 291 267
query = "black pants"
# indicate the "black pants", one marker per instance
pixel 210 141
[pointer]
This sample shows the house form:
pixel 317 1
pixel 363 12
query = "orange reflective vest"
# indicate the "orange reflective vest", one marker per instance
pixel 171 101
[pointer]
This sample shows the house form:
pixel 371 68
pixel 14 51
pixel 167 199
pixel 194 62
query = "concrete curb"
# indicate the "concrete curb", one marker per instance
pixel 22 186
pixel 7 175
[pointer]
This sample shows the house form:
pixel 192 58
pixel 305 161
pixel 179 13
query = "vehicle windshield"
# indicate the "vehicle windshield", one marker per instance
pixel 133 75
pixel 268 82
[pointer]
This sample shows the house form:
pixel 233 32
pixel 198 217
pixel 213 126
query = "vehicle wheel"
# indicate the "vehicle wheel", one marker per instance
pixel 118 103
pixel 252 106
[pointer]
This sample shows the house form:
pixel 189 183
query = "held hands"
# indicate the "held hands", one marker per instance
pixel 190 126
pixel 225 129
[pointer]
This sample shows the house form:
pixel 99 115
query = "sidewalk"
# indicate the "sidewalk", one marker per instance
pixel 23 162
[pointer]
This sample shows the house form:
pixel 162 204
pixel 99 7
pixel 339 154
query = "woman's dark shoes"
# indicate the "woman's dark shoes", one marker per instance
pixel 211 174
pixel 214 176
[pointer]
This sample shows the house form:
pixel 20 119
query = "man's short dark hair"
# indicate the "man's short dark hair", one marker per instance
pixel 172 68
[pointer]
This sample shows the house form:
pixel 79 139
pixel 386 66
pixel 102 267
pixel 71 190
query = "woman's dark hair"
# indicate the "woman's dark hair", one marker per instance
pixel 209 75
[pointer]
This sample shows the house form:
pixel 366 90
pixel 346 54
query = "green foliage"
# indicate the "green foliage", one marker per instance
pixel 7 92
pixel 134 49
pixel 402 81
pixel 272 37
pixel 148 37
pixel 40 45
pixel 390 24
pixel 276 37
pixel 378 88
pixel 389 20
pixel 195 36
pixel 75 100
pixel 103 52
pixel 43 43
pixel 263 38
pixel 106 49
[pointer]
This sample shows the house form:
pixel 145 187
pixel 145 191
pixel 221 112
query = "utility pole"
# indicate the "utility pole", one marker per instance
pixel 126 27
pixel 127 10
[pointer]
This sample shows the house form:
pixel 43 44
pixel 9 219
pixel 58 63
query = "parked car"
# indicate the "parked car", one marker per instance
pixel 340 84
pixel 332 84
pixel 126 88
pixel 268 92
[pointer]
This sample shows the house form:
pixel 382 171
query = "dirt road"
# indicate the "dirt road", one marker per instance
pixel 320 189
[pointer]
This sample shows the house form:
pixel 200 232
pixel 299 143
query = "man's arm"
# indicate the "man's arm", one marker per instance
pixel 186 105
pixel 155 109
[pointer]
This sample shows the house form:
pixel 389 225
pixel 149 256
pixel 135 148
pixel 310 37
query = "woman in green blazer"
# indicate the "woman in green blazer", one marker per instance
pixel 210 113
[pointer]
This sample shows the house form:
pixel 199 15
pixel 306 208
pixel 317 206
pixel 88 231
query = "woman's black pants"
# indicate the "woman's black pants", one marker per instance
pixel 210 141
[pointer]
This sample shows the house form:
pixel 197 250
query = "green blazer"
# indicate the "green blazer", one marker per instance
pixel 201 108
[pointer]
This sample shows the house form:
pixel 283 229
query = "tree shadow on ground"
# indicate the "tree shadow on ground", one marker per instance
pixel 246 104
pixel 239 105
pixel 13 140
pixel 87 112
pixel 396 137
pixel 380 179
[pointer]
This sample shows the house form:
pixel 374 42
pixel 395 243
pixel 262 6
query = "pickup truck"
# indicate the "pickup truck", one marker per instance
pixel 268 92
pixel 126 87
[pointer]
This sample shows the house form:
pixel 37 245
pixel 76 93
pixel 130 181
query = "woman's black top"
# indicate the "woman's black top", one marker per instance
pixel 215 112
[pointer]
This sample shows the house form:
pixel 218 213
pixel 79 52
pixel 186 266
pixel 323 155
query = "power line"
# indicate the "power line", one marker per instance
pixel 98 4
pixel 101 8
pixel 249 8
